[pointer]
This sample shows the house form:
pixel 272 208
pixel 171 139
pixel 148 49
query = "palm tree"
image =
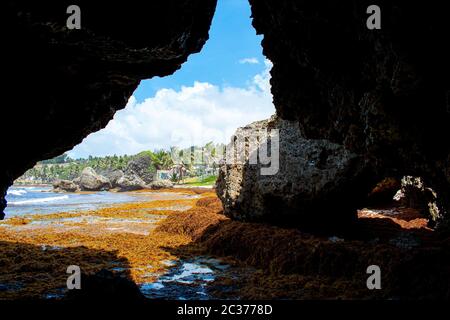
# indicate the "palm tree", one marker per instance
pixel 162 160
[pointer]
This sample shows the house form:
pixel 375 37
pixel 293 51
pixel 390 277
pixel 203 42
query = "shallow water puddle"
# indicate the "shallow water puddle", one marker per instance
pixel 188 280
pixel 13 286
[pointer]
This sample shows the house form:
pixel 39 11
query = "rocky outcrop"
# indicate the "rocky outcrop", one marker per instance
pixel 141 166
pixel 105 286
pixel 65 84
pixel 380 95
pixel 161 184
pixel 91 181
pixel 114 176
pixel 65 186
pixel 316 180
pixel 415 194
pixel 130 183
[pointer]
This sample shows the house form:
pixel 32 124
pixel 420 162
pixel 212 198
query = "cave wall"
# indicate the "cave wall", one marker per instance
pixel 381 94
pixel 63 84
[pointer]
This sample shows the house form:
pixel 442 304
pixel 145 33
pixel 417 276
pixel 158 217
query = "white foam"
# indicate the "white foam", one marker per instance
pixel 41 200
pixel 189 269
pixel 19 192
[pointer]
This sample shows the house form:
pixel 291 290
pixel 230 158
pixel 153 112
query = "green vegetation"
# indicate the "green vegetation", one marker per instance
pixel 161 159
pixel 184 163
pixel 198 181
pixel 63 167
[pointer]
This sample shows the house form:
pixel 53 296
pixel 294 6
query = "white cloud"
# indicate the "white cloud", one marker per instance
pixel 249 61
pixel 191 116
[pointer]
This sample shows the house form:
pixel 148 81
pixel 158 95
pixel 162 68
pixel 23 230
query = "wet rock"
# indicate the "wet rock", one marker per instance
pixel 142 167
pixel 415 194
pixel 91 181
pixel 114 176
pixel 65 186
pixel 317 182
pixel 161 184
pixel 106 286
pixel 130 183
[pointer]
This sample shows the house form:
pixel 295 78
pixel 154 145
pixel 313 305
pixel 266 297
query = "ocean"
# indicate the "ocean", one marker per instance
pixel 42 200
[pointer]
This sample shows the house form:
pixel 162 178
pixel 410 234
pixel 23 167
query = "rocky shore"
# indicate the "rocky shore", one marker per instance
pixel 89 180
pixel 149 242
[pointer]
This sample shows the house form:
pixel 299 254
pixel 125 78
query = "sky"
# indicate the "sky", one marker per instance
pixel 223 87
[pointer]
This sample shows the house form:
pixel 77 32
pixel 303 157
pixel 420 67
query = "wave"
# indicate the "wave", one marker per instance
pixel 19 192
pixel 41 200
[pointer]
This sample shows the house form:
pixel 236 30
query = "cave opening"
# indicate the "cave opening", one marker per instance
pixel 119 183
pixel 352 105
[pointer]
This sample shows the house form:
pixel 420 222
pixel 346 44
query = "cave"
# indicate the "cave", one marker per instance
pixel 353 105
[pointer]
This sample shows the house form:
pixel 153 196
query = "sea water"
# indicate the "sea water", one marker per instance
pixel 42 200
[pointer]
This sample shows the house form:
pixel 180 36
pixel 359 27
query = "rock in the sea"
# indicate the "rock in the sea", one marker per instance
pixel 161 184
pixel 318 182
pixel 141 166
pixel 91 181
pixel 114 176
pixel 130 183
pixel 65 186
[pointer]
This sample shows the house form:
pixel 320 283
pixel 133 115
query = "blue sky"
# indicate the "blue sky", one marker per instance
pixel 231 39
pixel 223 87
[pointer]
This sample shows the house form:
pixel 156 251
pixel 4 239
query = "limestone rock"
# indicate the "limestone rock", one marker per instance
pixel 114 176
pixel 65 186
pixel 141 166
pixel 130 183
pixel 415 194
pixel 161 184
pixel 91 181
pixel 317 180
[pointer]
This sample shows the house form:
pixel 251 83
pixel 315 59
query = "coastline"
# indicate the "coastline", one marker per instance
pixel 184 247
pixel 123 236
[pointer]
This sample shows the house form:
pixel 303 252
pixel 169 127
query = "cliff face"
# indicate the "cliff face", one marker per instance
pixel 383 95
pixel 63 84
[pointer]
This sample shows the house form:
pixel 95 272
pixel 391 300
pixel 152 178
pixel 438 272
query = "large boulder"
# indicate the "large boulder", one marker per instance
pixel 314 182
pixel 415 194
pixel 141 166
pixel 114 176
pixel 65 186
pixel 161 184
pixel 91 181
pixel 105 286
pixel 130 183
